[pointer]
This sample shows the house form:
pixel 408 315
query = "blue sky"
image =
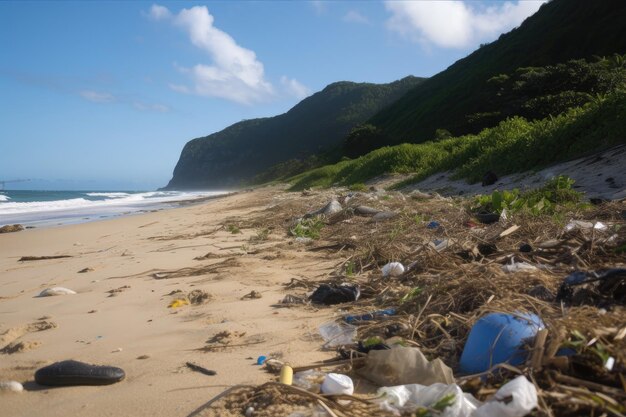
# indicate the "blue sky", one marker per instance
pixel 104 95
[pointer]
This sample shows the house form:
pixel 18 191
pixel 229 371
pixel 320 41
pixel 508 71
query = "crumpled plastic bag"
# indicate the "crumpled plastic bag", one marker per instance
pixel 518 267
pixel 394 269
pixel 404 365
pixel 408 398
pixel 337 334
pixel 335 294
pixel 516 398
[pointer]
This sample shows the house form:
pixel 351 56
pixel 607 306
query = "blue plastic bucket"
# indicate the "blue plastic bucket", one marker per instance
pixel 498 338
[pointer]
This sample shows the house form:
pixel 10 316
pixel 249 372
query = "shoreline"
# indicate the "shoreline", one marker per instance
pixel 102 210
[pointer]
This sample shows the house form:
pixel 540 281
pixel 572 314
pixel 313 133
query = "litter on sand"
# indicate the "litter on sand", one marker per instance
pixel 50 292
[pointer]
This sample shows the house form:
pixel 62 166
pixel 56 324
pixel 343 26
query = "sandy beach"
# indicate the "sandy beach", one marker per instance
pixel 120 312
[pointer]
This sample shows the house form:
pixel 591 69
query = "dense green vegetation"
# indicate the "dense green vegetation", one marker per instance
pixel 240 152
pixel 560 31
pixel 514 145
pixel 556 193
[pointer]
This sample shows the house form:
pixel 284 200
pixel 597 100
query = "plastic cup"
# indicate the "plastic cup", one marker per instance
pixel 336 384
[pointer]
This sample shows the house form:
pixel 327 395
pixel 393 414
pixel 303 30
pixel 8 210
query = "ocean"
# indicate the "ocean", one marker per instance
pixel 51 208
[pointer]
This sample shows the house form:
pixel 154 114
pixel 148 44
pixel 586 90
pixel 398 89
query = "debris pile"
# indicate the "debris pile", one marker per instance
pixel 446 311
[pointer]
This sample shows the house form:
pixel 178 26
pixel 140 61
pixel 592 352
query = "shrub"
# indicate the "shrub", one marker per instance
pixel 308 228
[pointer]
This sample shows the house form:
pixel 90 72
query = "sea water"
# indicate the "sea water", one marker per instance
pixel 49 208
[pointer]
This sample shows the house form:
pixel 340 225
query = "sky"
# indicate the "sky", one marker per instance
pixel 104 95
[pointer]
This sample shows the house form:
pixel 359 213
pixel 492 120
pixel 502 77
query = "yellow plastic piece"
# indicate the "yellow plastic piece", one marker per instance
pixel 178 303
pixel 286 375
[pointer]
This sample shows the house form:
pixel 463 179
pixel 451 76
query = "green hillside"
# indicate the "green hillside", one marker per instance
pixel 238 153
pixel 514 145
pixel 560 31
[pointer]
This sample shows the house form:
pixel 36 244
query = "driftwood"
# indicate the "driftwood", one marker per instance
pixel 200 369
pixel 41 258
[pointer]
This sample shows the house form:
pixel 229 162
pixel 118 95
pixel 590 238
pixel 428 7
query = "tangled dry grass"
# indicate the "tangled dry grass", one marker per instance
pixel 448 287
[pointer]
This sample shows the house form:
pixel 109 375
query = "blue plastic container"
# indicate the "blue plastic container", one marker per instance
pixel 498 338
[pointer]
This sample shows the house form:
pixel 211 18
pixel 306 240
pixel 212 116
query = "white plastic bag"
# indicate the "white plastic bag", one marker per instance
pixel 408 398
pixel 518 267
pixel 393 269
pixel 524 399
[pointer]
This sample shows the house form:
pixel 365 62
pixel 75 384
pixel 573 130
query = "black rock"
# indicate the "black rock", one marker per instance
pixel 78 373
pixel 526 248
pixel 489 178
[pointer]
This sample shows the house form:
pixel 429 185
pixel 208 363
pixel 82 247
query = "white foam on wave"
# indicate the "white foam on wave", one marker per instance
pixel 108 195
pixel 4 197
pixel 130 201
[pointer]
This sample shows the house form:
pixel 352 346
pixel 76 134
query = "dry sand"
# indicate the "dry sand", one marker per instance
pixel 97 326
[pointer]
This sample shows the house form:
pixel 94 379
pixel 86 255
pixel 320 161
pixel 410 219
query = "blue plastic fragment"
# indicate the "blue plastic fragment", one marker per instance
pixel 433 225
pixel 499 338
pixel 261 360
pixel 370 316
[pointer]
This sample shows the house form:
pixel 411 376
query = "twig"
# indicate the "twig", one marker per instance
pixel 200 369
pixel 41 258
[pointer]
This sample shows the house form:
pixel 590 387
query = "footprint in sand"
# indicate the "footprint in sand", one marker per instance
pixel 8 339
pixel 18 347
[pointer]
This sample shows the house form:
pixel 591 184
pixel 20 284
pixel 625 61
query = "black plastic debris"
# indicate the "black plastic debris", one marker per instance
pixel 487 218
pixel 525 248
pixel 71 372
pixel 335 294
pixel 603 288
pixel 486 249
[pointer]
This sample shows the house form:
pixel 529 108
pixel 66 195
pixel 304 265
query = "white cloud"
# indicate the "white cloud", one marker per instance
pixel 294 87
pixel 354 16
pixel 236 73
pixel 97 97
pixel 456 24
pixel 159 12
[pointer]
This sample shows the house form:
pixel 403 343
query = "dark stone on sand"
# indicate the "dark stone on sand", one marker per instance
pixel 489 178
pixel 71 372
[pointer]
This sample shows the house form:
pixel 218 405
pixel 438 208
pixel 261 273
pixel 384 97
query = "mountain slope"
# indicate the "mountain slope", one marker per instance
pixel 236 154
pixel 559 31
